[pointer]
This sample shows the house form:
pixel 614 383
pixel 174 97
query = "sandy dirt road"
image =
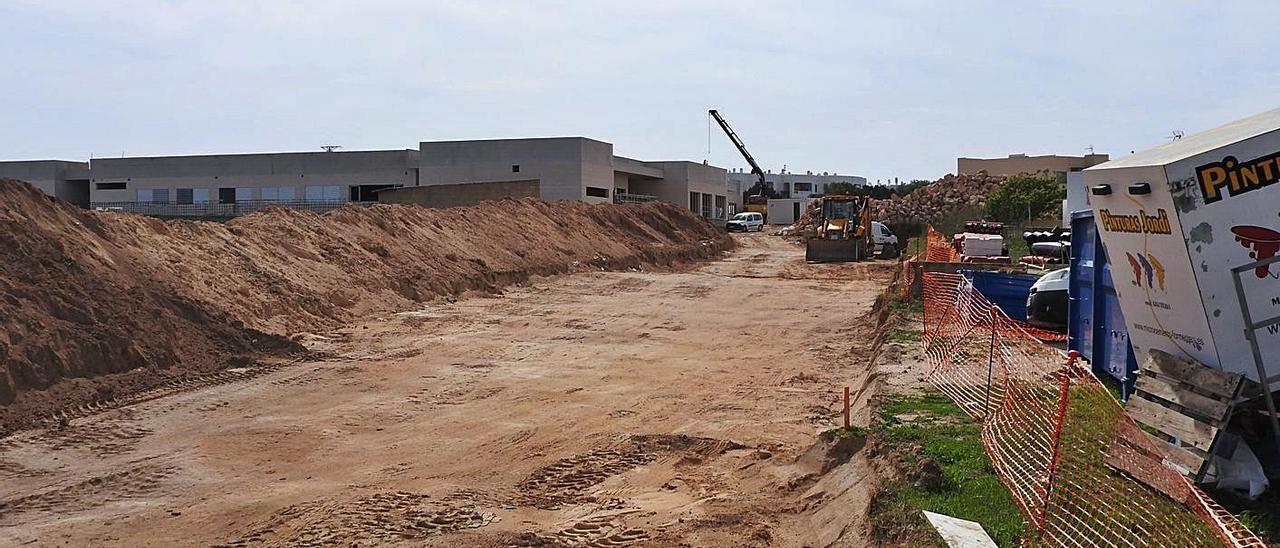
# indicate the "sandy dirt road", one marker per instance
pixel 597 409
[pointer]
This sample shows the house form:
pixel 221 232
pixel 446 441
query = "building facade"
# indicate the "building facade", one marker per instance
pixel 792 185
pixel 575 168
pixel 226 185
pixel 66 180
pixel 1021 163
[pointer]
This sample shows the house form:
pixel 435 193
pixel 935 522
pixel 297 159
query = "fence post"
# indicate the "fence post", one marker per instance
pixel 1064 396
pixel 991 358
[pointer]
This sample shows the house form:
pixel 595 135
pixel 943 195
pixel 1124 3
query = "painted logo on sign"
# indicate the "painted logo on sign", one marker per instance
pixel 1148 267
pixel 1136 224
pixel 1237 177
pixel 1262 242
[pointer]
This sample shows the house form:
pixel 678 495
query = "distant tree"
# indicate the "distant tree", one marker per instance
pixel 876 192
pixel 1026 196
pixel 840 187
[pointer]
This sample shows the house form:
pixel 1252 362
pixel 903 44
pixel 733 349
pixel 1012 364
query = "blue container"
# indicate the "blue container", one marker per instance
pixel 1008 291
pixel 1095 324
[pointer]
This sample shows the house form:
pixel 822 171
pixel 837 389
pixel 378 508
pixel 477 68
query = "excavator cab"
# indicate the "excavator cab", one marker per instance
pixel 844 230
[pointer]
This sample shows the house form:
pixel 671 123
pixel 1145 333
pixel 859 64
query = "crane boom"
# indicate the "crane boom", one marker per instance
pixel 742 148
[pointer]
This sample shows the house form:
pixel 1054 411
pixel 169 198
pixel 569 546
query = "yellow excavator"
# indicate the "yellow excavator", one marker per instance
pixel 844 230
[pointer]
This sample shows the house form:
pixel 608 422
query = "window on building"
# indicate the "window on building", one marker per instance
pixel 153 196
pixel 618 191
pixel 597 192
pixel 693 201
pixel 112 186
pixel 200 195
pixel 804 187
pixel 322 193
pixel 185 196
pixel 270 193
pixel 227 195
pixel 515 168
pixel 244 194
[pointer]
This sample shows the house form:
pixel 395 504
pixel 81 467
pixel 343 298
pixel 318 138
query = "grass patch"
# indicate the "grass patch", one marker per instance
pixel 903 306
pixel 902 335
pixel 931 426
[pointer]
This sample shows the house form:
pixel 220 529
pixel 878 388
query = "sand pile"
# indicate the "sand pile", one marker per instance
pixel 75 303
pixel 84 294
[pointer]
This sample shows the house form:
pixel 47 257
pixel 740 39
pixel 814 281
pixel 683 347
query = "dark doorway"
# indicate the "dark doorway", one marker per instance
pixel 227 195
pixel 795 212
pixel 367 193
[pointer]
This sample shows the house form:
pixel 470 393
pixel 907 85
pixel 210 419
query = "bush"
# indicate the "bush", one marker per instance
pixel 1041 193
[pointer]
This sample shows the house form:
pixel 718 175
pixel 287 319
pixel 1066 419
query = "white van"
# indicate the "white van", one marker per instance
pixel 746 221
pixel 883 241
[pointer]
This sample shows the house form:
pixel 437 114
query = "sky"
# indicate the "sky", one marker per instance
pixel 879 89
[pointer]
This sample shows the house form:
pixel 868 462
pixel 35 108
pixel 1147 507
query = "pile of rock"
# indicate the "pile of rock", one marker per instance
pixel 947 195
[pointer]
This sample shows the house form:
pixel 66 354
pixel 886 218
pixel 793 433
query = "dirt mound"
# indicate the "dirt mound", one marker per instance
pixel 84 294
pixel 74 303
pixel 947 195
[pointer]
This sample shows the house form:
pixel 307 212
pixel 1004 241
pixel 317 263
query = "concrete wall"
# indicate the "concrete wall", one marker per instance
pixel 1021 163
pixel 63 179
pixel 458 195
pixel 564 165
pixel 293 172
pixel 681 179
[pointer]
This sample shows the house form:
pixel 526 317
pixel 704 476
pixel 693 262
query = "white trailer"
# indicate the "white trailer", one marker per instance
pixel 1192 231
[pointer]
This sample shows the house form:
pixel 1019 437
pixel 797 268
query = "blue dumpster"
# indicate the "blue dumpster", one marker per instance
pixel 1008 291
pixel 1095 324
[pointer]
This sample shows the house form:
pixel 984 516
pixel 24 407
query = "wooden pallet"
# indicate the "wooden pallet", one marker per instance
pixel 1185 401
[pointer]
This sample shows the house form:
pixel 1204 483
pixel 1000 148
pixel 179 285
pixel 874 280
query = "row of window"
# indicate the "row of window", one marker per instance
pixel 230 195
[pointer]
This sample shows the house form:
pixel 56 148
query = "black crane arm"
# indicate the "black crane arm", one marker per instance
pixel 742 148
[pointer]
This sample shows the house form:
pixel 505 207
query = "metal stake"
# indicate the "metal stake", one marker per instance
pixel 1250 333
pixel 991 358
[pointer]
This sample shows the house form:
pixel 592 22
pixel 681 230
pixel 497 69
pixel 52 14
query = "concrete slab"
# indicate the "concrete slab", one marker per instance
pixel 960 533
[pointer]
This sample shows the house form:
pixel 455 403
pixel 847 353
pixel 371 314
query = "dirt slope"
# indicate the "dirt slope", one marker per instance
pixel 75 303
pixel 84 294
pixel 600 409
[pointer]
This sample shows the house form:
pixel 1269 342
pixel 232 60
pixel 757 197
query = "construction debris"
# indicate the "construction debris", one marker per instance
pixel 950 194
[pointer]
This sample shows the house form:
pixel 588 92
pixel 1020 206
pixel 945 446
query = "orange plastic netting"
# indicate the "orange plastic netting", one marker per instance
pixel 1082 471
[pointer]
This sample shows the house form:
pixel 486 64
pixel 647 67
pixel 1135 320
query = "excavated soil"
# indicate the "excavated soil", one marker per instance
pixel 96 308
pixel 616 408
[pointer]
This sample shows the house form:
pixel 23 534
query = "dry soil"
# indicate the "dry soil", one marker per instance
pixel 591 409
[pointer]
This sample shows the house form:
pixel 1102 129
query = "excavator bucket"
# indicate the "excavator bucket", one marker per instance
pixel 818 250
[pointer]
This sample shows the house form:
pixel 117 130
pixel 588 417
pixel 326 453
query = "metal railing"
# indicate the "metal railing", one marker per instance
pixel 624 198
pixel 215 209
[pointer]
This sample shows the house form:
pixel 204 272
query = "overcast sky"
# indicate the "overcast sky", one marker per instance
pixel 879 89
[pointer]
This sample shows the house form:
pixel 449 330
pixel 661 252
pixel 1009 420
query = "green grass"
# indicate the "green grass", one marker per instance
pixel 902 335
pixel 931 426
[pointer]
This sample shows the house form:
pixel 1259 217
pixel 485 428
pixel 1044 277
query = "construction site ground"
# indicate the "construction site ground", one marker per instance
pixel 597 408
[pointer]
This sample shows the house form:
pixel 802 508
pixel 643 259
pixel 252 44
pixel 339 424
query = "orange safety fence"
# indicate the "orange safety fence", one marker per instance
pixel 939 249
pixel 1081 470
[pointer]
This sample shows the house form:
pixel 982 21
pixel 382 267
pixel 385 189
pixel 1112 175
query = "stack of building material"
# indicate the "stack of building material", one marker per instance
pixel 982 245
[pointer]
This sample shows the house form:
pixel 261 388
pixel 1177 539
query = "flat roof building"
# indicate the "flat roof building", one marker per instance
pixel 791 185
pixel 63 179
pixel 1021 163
pixel 226 185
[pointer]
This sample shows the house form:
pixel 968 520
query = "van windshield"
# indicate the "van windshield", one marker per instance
pixel 742 217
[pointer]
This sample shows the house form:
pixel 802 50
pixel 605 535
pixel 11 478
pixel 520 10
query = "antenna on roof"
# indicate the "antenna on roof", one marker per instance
pixel 1177 134
pixel 331 148
pixel 1089 148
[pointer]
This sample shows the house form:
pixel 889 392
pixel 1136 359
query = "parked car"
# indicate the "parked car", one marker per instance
pixel 1047 303
pixel 746 221
pixel 883 241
